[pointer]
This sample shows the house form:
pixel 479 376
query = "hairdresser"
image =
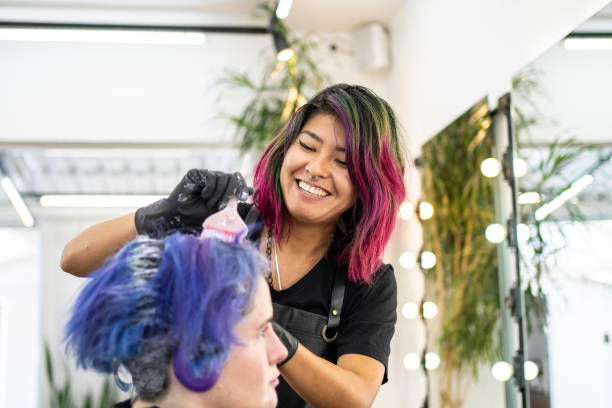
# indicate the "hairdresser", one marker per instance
pixel 327 188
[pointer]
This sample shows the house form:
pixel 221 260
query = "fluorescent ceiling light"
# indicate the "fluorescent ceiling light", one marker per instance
pixel 88 35
pixel 588 43
pixel 567 194
pixel 99 201
pixel 283 9
pixel 15 199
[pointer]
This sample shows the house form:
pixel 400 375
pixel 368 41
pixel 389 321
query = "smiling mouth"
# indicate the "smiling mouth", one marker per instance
pixel 312 190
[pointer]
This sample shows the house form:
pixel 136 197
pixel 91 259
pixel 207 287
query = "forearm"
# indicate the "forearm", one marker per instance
pixel 89 249
pixel 323 384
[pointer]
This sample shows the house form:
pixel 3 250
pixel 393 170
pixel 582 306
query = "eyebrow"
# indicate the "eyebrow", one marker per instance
pixel 261 326
pixel 318 139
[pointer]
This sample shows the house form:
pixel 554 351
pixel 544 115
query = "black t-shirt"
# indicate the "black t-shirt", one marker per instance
pixel 368 313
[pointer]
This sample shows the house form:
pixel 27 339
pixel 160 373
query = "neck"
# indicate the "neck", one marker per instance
pixel 307 238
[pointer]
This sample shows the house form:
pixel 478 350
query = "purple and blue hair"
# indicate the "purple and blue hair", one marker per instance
pixel 179 297
pixel 375 160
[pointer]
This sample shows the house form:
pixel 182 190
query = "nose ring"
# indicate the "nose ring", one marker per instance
pixel 315 178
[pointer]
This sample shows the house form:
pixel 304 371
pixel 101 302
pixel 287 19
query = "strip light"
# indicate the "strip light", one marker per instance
pixel 88 35
pixel 588 43
pixel 18 203
pixel 567 194
pixel 97 200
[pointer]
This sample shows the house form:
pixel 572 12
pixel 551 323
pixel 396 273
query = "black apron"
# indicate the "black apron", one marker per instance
pixel 315 332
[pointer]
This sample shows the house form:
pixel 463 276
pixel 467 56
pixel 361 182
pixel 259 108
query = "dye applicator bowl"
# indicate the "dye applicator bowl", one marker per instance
pixel 225 224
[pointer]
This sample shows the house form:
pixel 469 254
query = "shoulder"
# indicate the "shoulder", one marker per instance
pixel 381 293
pixel 385 275
pixel 383 278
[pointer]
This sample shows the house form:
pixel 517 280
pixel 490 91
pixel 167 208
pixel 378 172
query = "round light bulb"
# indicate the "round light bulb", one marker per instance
pixel 531 370
pixel 520 167
pixel 426 210
pixel 432 361
pixel 486 123
pixel 495 233
pixel 407 260
pixel 490 167
pixel 428 260
pixel 522 233
pixel 430 310
pixel 411 361
pixel 285 55
pixel 410 310
pixel 502 371
pixel 531 197
pixel 406 210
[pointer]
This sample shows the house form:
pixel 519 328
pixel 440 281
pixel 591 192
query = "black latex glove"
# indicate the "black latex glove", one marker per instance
pixel 290 342
pixel 199 194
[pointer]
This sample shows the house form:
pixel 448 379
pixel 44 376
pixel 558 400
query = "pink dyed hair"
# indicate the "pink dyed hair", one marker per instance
pixel 375 162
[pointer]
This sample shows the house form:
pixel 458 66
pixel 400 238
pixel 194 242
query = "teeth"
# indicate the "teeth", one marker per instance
pixel 312 189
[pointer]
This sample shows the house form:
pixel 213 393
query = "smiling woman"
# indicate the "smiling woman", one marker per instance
pixel 327 192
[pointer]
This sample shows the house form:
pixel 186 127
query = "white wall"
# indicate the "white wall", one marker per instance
pixel 58 292
pixel 448 55
pixel 20 352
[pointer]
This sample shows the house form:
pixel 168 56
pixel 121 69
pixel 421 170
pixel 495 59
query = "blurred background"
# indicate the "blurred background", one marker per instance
pixel 91 127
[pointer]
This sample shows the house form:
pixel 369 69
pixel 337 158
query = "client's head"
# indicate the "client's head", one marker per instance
pixel 188 317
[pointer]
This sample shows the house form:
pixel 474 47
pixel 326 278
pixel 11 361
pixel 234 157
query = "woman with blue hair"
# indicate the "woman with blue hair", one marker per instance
pixel 189 318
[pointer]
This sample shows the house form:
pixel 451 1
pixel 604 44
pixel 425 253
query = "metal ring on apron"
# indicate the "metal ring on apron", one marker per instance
pixel 327 339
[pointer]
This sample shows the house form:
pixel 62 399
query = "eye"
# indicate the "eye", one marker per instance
pixel 341 162
pixel 305 146
pixel 262 332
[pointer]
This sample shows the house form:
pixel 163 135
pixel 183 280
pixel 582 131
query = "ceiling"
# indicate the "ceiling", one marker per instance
pixel 336 15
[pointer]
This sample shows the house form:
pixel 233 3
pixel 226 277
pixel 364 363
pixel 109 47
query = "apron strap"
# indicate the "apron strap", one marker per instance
pixel 330 332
